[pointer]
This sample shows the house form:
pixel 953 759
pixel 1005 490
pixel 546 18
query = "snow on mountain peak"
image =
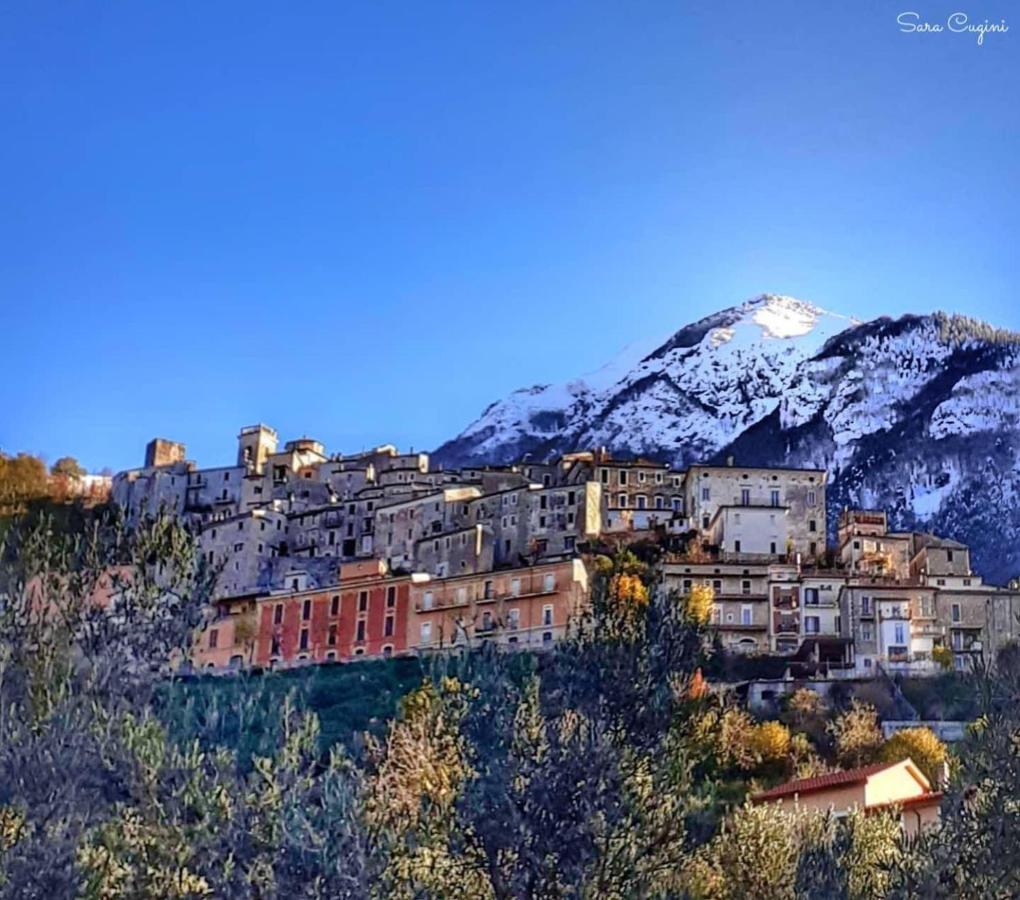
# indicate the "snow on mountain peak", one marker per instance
pixel 778 317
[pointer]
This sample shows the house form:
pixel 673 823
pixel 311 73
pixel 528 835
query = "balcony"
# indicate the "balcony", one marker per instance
pixel 928 629
pixel 894 615
pixel 785 602
pixel 787 627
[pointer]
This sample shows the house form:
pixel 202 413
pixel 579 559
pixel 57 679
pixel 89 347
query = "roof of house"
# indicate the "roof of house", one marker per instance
pixel 843 779
pixel 822 782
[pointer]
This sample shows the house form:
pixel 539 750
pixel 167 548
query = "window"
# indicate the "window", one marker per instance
pixel 461 595
pixel 549 583
pixel 604 474
pixel 812 525
pixel 214 639
pixel 306 610
pixel 677 504
pixel 812 549
pixel 546 637
pixel 570 498
pixel 745 587
pixel 387 651
pixel 515 587
pixel 334 605
pixel 956 612
pixel 866 633
pixel 746 615
pixel 547 614
pixel 360 633
pixel 331 636
pixel 706 494
pixel 898 632
pixel 426 632
pixel 658 477
pixel 391 596
pixel 278 614
pixel 659 502
pixel 426 600
pixel 362 601
pixel 543 502
pixel 623 501
pixel 736 546
pixel 717 586
pixel 772 548
pixel 704 522
pixel 811 596
pixel 949 555
pixel 745 496
pixel 810 498
pixel 513 619
pixel 623 476
pixel 486 621
pixel 811 624
pixel 303 640
pixel 774 497
pixel 865 606
pixel 641 477
pixel 957 640
pixel 568 544
pixel 388 627
pixel 687 585
pixel 641 501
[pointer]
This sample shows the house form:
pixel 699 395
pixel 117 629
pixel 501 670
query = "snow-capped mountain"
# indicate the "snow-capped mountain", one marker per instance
pixel 920 416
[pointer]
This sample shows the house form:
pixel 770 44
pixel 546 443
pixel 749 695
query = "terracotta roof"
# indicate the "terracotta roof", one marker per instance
pixel 822 782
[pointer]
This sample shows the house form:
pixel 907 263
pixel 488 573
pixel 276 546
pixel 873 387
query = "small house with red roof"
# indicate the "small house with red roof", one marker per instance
pixel 899 786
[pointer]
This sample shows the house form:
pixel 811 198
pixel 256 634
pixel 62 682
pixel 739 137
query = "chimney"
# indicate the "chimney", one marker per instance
pixel 729 460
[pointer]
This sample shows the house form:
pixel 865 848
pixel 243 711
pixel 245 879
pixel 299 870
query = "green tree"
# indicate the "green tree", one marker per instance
pixel 856 735
pixel 67 466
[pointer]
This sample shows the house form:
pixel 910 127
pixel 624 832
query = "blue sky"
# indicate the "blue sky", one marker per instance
pixel 366 221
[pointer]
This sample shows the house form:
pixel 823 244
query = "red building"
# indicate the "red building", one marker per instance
pixel 364 615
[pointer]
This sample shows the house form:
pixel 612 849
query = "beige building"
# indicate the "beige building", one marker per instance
pixel 900 787
pixel 740 613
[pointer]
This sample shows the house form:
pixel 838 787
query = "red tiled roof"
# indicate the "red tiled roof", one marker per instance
pixel 822 782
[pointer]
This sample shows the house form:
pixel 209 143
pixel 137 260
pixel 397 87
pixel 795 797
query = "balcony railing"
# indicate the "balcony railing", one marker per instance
pixel 928 629
pixel 787 628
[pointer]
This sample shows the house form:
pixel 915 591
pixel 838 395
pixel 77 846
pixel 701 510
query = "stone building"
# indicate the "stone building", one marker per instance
pixel 780 508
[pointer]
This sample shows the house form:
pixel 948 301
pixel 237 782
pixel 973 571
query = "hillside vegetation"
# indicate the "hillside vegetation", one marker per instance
pixel 606 767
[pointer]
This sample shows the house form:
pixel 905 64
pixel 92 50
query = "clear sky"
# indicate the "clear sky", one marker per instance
pixel 366 221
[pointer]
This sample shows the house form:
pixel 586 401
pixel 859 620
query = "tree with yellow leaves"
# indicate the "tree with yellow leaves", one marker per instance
pixel 922 746
pixel 698 604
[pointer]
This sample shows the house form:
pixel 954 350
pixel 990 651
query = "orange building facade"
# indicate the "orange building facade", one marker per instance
pixel 365 615
pixel 525 608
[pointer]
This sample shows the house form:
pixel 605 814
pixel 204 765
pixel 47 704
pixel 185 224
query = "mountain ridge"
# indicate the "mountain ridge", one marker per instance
pixel 917 414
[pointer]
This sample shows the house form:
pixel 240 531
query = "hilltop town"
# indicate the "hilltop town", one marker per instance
pixel 338 557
